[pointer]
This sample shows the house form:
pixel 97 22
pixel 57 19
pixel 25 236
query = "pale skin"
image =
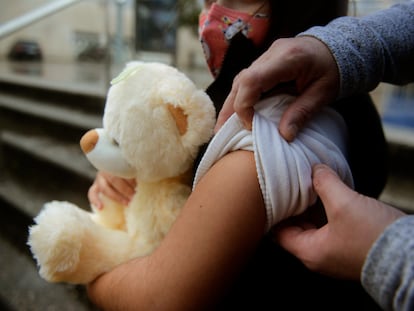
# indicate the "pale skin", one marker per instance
pixel 218 229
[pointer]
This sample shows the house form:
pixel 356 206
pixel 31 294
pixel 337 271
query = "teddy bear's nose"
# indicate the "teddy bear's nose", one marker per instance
pixel 89 141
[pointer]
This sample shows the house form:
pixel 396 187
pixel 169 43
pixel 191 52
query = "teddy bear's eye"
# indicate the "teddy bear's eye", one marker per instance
pixel 115 142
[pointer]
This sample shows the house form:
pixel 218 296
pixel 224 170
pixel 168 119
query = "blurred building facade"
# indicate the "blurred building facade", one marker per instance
pixel 123 29
pixel 90 28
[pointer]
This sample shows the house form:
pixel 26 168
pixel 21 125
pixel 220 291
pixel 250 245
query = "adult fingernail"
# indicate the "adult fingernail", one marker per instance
pixel 318 168
pixel 292 132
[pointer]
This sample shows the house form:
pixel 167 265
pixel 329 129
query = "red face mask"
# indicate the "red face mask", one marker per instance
pixel 218 25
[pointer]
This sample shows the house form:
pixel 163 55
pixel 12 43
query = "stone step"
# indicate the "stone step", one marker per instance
pixel 22 195
pixel 65 95
pixel 63 154
pixel 36 111
pixel 38 164
pixel 40 161
pixel 73 78
pixel 71 116
pixel 40 169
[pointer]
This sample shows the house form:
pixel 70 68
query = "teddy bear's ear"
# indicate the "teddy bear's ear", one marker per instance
pixel 180 118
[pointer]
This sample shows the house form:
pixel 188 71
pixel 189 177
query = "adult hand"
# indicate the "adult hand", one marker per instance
pixel 115 188
pixel 354 222
pixel 304 60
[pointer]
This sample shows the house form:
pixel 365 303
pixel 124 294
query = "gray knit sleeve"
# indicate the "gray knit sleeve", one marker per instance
pixel 372 49
pixel 388 272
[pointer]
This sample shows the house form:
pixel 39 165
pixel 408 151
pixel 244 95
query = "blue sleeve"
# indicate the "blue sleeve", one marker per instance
pixel 388 272
pixel 371 49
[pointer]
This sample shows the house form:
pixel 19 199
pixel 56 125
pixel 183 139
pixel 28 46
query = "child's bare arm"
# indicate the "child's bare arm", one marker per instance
pixel 217 230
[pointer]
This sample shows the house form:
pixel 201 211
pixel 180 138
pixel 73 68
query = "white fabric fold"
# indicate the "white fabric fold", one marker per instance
pixel 284 170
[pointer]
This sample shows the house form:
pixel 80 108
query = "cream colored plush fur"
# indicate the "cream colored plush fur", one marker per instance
pixel 154 122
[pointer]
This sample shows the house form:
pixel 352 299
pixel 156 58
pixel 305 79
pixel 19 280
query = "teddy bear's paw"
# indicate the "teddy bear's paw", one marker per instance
pixel 56 239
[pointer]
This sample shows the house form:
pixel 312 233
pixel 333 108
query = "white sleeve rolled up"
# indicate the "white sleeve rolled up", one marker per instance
pixel 284 170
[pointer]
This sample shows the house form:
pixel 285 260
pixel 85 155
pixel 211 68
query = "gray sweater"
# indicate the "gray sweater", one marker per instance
pixel 376 48
pixel 369 50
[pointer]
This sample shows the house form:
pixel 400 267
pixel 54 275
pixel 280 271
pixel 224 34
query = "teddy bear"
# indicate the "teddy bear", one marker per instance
pixel 155 121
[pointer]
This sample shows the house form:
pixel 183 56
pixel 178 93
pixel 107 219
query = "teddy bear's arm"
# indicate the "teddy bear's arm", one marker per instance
pixel 218 228
pixel 70 246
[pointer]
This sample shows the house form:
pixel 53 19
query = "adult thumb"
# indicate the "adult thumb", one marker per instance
pixel 330 188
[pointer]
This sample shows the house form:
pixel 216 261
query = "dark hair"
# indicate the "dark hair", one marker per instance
pixel 288 18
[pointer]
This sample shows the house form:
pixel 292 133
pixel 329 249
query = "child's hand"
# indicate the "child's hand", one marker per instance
pixel 115 188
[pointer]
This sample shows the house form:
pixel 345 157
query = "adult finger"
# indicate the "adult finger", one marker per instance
pixel 244 94
pixel 311 99
pixel 294 119
pixel 292 235
pixel 249 91
pixel 308 242
pixel 332 191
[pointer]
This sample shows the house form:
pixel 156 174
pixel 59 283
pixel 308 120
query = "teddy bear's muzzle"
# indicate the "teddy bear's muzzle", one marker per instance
pixel 89 141
pixel 105 154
